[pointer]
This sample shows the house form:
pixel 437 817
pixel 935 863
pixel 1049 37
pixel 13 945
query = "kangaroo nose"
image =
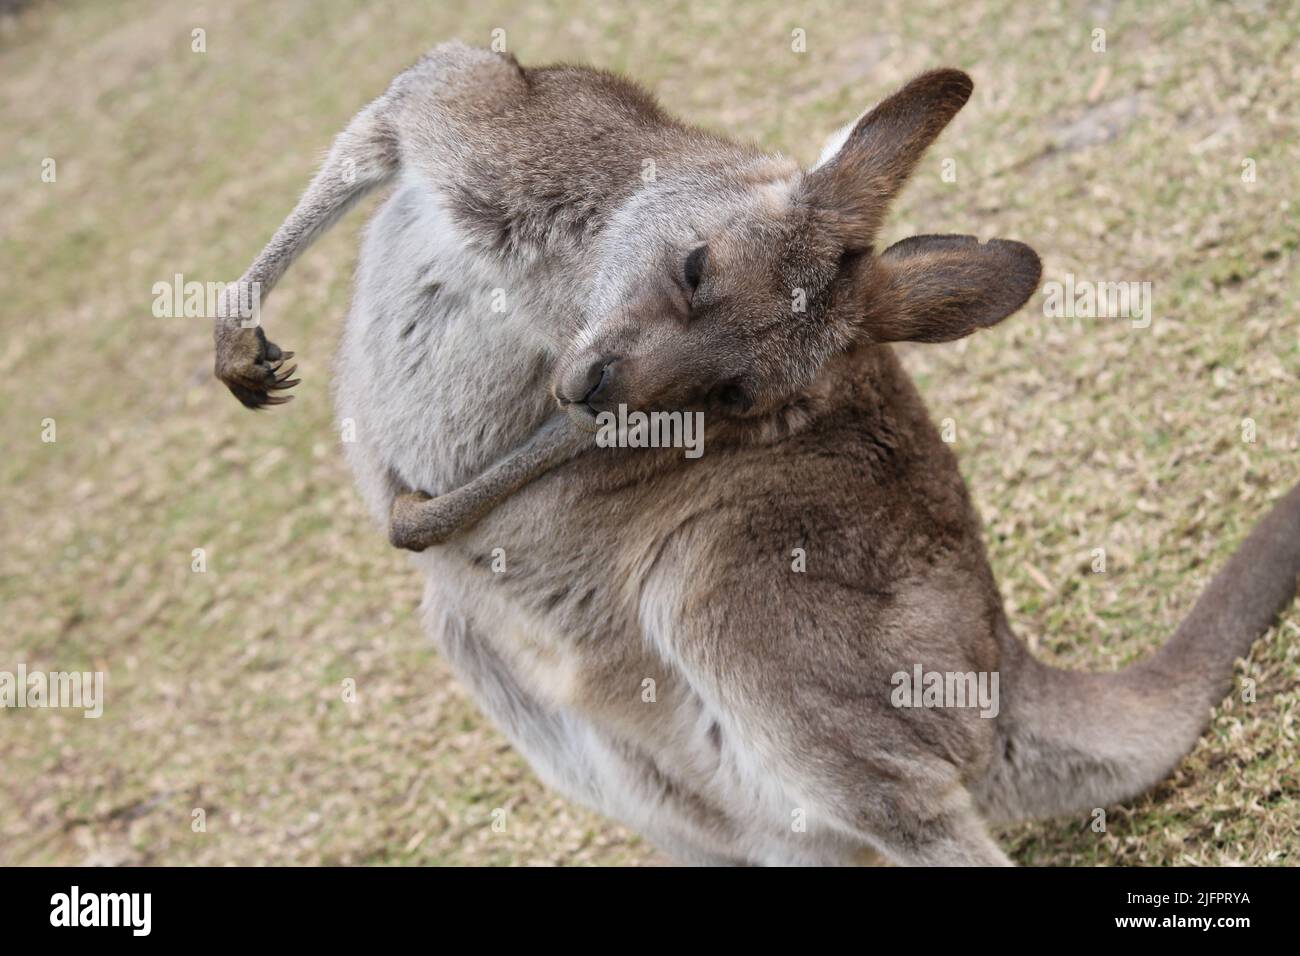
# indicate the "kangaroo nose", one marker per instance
pixel 583 388
pixel 600 378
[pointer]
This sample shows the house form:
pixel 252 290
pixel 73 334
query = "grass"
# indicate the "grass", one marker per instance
pixel 225 688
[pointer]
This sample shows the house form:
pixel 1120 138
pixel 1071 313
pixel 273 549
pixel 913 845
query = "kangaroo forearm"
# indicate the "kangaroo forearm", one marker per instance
pixel 417 521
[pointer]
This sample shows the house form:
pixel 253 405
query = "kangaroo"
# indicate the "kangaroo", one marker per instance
pixel 555 246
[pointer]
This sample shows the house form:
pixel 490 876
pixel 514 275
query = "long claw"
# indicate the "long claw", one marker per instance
pixel 270 372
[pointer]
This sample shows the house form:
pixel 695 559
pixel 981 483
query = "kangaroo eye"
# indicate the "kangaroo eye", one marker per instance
pixel 693 268
pixel 733 396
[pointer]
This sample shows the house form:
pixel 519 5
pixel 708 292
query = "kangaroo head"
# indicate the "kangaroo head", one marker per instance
pixel 727 289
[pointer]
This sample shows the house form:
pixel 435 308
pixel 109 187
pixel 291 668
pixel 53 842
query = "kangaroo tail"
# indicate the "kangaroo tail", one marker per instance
pixel 1072 741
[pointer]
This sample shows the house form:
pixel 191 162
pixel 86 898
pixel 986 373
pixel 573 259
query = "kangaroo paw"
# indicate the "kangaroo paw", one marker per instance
pixel 252 367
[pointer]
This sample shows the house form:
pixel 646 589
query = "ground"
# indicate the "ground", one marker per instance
pixel 1168 157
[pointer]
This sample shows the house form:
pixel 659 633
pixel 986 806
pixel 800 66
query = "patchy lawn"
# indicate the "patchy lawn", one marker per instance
pixel 224 687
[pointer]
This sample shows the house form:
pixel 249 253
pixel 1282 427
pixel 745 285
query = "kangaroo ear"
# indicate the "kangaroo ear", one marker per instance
pixel 940 288
pixel 858 181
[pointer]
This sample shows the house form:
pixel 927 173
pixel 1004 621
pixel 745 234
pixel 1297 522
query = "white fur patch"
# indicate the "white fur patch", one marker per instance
pixel 776 194
pixel 836 142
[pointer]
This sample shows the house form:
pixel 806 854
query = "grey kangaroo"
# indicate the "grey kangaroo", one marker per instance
pixel 707 650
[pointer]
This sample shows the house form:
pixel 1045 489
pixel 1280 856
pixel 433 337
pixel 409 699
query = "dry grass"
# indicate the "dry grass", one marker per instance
pixel 224 687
